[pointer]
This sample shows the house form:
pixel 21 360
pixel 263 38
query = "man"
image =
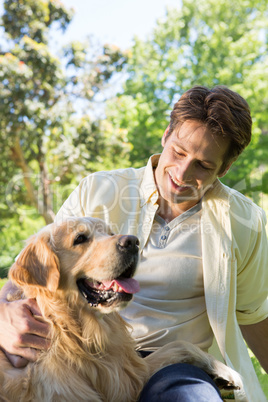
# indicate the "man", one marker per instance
pixel 203 266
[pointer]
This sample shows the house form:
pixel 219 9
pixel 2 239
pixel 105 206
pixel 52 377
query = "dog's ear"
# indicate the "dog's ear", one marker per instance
pixel 36 265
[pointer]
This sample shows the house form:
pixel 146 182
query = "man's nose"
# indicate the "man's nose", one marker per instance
pixel 184 171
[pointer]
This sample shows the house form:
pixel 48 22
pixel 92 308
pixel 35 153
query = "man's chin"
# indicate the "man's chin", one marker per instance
pixel 189 196
pixel 177 205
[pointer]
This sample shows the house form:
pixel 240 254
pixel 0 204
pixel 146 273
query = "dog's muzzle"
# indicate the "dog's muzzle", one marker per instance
pixel 120 289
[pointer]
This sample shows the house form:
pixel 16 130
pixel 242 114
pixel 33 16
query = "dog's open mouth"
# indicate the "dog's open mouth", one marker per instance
pixel 107 293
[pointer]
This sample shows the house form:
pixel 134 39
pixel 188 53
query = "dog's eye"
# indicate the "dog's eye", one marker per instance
pixel 81 238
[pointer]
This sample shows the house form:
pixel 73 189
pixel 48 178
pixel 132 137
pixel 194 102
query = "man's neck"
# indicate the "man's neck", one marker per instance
pixel 169 211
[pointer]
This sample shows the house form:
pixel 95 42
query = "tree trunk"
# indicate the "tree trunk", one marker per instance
pixel 47 210
pixel 18 157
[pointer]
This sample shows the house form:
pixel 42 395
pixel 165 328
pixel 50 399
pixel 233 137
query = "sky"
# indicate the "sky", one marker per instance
pixel 114 21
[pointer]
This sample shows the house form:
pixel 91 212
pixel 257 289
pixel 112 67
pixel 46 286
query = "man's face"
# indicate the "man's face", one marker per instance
pixel 189 164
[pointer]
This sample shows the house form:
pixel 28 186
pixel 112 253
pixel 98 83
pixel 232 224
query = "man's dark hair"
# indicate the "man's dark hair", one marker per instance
pixel 224 112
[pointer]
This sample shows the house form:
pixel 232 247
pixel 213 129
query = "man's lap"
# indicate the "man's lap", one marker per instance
pixel 180 382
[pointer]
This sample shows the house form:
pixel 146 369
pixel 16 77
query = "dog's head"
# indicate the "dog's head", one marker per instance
pixel 80 255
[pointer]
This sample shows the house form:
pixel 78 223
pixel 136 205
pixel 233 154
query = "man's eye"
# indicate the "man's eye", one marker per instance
pixel 178 152
pixel 204 167
pixel 81 238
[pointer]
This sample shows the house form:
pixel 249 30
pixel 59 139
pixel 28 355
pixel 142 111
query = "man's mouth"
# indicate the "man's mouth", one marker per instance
pixel 108 292
pixel 179 186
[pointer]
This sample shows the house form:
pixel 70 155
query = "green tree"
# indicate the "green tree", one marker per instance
pixel 206 43
pixel 52 134
pixel 31 80
pixel 42 139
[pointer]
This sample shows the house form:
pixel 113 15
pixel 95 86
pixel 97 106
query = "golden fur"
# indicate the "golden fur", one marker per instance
pixel 92 355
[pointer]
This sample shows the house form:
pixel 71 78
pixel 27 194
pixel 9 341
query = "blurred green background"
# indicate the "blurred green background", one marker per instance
pixel 95 107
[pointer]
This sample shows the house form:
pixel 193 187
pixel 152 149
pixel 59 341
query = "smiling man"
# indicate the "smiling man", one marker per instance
pixel 190 163
pixel 203 250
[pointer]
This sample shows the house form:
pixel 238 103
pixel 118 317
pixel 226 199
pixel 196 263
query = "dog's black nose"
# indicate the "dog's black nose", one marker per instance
pixel 129 244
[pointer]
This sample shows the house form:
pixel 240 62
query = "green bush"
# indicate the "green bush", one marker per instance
pixel 14 230
pixel 2 282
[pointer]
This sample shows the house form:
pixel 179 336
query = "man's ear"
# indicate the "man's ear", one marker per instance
pixel 225 170
pixel 163 140
pixel 37 265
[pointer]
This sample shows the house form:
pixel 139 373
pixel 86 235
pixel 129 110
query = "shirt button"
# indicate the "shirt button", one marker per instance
pixel 167 228
pixel 163 237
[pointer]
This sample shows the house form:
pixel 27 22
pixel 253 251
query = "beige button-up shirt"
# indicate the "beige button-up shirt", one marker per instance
pixel 234 251
pixel 171 302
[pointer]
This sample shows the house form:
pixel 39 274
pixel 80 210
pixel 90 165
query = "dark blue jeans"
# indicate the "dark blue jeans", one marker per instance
pixel 180 382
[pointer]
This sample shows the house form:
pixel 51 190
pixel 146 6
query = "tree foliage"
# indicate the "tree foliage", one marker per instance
pixel 40 130
pixel 54 129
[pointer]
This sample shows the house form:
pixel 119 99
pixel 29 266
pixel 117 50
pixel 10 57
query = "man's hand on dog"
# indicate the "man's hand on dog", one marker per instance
pixel 23 334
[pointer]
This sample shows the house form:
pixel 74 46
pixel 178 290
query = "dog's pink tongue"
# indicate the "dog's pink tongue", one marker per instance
pixel 128 285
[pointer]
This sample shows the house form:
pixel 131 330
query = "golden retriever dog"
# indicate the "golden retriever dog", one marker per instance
pixel 81 275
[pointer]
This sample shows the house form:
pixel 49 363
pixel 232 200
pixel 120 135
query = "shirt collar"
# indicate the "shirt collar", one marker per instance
pixel 148 186
pixel 219 192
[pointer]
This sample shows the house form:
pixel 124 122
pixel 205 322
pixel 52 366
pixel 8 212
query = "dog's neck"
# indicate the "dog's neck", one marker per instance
pixel 74 325
pixel 89 348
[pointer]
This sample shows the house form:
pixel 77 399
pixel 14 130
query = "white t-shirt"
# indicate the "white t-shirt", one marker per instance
pixel 171 302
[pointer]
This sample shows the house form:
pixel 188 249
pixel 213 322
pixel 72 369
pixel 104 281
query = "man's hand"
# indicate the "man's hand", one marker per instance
pixel 256 336
pixel 16 361
pixel 23 333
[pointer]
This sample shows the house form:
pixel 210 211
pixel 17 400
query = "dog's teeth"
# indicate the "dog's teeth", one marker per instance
pixel 115 287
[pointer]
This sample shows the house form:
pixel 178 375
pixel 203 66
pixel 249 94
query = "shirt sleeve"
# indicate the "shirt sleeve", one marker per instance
pixel 252 278
pixel 73 206
pixel 98 195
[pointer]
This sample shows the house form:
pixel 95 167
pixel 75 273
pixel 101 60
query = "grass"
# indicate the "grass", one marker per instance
pixel 2 282
pixel 262 376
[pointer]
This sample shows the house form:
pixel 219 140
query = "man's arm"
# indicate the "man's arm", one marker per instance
pixel 256 336
pixel 21 335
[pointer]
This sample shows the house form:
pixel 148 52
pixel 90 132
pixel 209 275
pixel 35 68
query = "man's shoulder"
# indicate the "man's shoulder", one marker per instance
pixel 237 201
pixel 235 195
pixel 127 174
